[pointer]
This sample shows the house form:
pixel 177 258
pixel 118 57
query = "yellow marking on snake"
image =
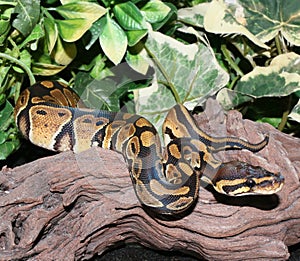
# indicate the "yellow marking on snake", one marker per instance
pixel 160 190
pixel 49 84
pixel 37 100
pixel 147 138
pixel 142 122
pixel 175 151
pixel 186 168
pixel 181 203
pixel 145 196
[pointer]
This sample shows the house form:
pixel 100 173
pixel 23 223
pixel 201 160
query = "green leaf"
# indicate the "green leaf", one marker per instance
pixel 63 52
pixel 5 22
pixel 51 33
pixel 36 34
pixel 184 73
pixel 170 18
pixel 4 77
pixel 73 29
pixel 86 10
pixel 95 32
pixel 155 11
pixel 5 115
pixel 135 36
pixel 25 57
pixel 113 40
pixel 64 2
pixel 2 98
pixel 44 66
pixel 99 59
pixel 8 132
pixel 129 16
pixel 99 70
pixel 28 13
pixel 8 148
pixel 272 121
pixel 137 62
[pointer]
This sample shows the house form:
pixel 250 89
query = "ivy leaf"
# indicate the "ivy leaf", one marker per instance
pixel 97 93
pixel 113 40
pixel 129 16
pixel 28 13
pixel 260 21
pixel 184 74
pixel 104 93
pixel 279 79
pixel 194 15
pixel 219 19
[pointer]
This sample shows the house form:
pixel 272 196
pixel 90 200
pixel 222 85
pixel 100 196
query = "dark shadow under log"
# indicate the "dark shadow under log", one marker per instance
pixel 68 206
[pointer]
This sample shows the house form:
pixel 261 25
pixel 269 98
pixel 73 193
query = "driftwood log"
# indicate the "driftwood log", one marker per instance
pixel 70 207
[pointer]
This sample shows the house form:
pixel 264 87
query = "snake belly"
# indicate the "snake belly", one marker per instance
pixel 167 183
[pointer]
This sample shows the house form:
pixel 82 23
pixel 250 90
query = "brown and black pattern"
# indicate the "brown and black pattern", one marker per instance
pixel 166 182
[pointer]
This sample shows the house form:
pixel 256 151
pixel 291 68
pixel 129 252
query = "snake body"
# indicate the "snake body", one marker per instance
pixel 167 183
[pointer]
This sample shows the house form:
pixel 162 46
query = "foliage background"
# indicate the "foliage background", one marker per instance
pixel 149 55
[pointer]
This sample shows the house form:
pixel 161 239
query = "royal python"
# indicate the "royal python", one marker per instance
pixel 166 182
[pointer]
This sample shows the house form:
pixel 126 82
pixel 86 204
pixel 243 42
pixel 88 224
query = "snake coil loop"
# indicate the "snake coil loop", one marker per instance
pixel 46 115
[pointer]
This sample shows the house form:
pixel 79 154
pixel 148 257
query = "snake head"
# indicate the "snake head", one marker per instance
pixel 239 178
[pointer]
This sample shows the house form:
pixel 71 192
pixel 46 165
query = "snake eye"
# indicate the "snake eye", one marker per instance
pixel 250 183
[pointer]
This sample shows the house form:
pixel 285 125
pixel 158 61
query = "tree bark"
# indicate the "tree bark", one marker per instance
pixel 71 207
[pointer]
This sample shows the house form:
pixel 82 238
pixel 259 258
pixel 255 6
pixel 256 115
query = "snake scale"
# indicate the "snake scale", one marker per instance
pixel 167 182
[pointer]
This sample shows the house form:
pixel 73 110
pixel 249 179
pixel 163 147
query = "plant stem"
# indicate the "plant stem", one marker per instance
pixel 278 44
pixel 235 79
pixel 21 64
pixel 285 114
pixel 230 60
